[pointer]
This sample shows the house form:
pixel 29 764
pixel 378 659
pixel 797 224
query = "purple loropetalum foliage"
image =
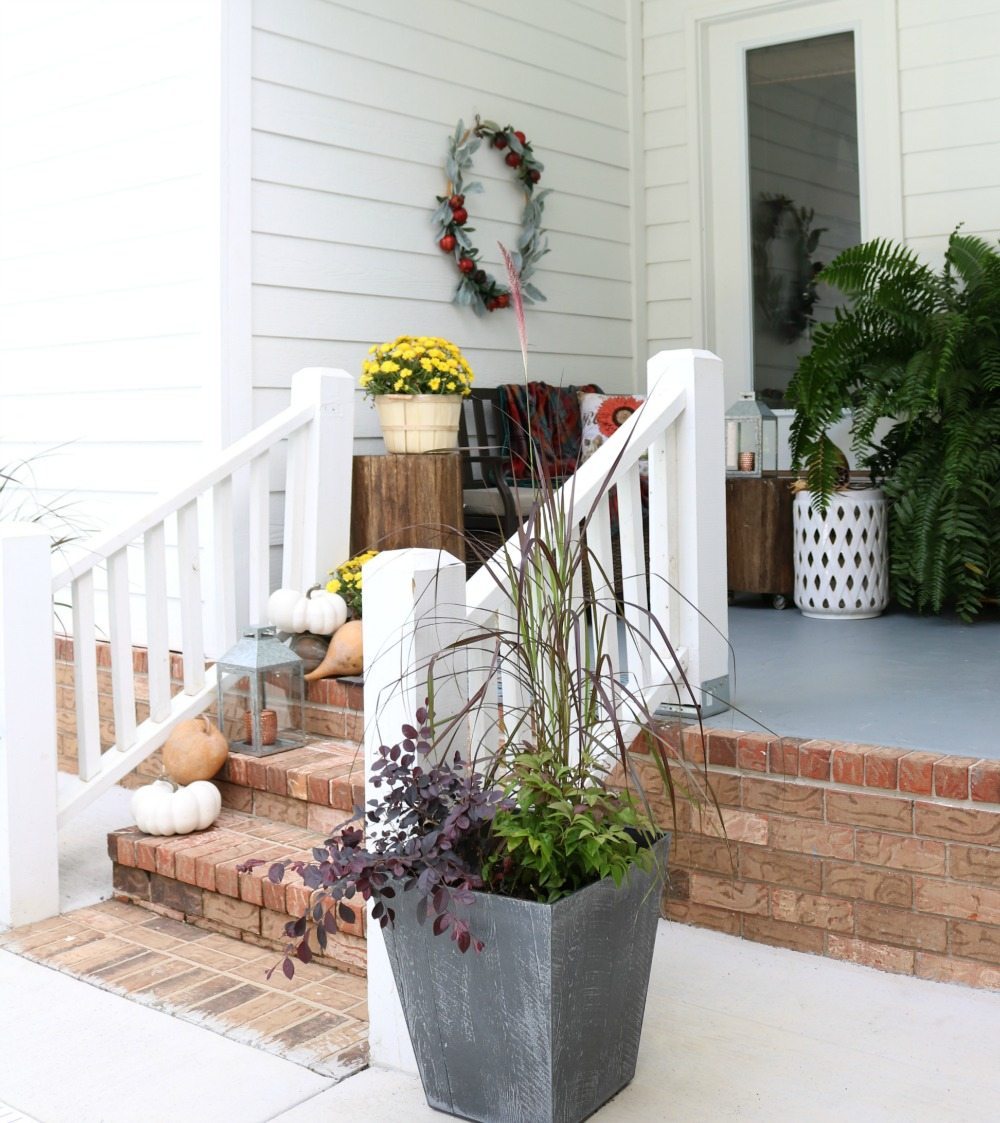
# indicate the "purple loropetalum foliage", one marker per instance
pixel 428 832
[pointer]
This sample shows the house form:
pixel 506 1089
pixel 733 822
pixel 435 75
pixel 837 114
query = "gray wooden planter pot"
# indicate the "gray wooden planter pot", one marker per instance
pixel 543 1025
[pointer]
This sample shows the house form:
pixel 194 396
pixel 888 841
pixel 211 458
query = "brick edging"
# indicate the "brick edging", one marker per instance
pixel 880 856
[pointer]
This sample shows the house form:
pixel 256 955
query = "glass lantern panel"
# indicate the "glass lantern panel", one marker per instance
pixel 275 696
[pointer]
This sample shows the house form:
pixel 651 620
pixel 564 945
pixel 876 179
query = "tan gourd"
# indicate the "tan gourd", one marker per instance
pixel 344 655
pixel 195 750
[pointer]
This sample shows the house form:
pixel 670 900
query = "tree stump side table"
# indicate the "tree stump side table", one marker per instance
pixel 407 499
pixel 759 536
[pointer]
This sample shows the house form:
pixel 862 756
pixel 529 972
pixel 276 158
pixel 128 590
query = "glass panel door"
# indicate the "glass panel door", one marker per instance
pixel 802 148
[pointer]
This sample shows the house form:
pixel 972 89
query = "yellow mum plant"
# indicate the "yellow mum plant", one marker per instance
pixel 415 364
pixel 346 580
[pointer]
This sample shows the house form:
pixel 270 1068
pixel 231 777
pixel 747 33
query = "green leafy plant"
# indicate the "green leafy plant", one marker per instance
pixel 921 348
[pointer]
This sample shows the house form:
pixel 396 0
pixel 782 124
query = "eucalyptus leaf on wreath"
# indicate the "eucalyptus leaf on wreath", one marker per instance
pixel 477 287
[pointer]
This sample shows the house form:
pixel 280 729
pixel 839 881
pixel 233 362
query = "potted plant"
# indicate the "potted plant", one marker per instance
pixel 417 383
pixel 546 876
pixel 524 858
pixel 921 348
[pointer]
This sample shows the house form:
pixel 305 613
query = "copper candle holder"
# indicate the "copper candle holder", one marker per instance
pixel 268 727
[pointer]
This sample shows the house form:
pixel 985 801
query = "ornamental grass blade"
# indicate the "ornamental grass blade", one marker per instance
pixel 515 293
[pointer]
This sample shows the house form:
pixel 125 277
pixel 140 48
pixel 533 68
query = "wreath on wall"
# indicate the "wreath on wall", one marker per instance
pixel 785 292
pixel 477 288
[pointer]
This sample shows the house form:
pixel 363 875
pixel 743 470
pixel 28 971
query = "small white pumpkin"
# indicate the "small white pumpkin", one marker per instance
pixel 315 611
pixel 160 808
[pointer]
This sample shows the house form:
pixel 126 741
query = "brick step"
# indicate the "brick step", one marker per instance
pixel 193 878
pixel 315 787
pixel 318 1019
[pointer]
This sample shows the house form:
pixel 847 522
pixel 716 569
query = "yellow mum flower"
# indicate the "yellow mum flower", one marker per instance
pixel 452 386
pixel 333 585
pixel 398 385
pixel 427 364
pixel 434 384
pixel 389 367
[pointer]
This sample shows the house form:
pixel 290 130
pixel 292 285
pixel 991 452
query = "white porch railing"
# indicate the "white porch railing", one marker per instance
pixel 417 602
pixel 224 580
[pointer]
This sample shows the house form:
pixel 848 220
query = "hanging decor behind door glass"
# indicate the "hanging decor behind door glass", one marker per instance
pixel 803 152
pixel 784 268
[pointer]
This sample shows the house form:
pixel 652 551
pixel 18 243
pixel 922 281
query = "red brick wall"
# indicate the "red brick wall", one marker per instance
pixel 333 707
pixel 879 856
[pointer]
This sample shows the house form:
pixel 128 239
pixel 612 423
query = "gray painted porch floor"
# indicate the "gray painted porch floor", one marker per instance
pixel 907 681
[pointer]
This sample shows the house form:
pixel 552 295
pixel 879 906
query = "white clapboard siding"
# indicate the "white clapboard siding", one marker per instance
pixel 108 213
pixel 350 134
pixel 949 83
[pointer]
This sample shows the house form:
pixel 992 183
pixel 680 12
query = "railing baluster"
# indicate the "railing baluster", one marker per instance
pixel 632 551
pixel 88 717
pixel 192 634
pixel 601 556
pixel 157 627
pixel 223 565
pixel 122 670
pixel 296 465
pixel 260 539
pixel 662 519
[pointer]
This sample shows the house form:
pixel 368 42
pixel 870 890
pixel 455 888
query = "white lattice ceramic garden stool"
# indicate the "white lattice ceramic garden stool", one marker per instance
pixel 841 559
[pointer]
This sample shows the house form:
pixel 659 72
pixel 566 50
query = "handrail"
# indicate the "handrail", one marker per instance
pixel 236 456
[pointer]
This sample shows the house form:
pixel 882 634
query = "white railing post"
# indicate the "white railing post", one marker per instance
pixel 414 607
pixel 318 483
pixel 699 531
pixel 29 839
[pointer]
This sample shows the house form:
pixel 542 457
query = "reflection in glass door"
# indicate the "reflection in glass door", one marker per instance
pixel 804 193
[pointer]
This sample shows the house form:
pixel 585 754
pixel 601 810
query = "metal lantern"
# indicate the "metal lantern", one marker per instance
pixel 751 438
pixel 261 695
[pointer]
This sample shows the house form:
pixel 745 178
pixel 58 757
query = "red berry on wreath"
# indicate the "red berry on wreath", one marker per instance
pixel 520 136
pixel 447 243
pixel 534 175
pixel 503 300
pixel 466 264
pixel 492 305
pixel 456 201
pixel 459 215
pixel 512 159
pixel 499 140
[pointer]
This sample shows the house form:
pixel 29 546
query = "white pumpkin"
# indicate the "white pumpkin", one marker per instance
pixel 160 808
pixel 315 611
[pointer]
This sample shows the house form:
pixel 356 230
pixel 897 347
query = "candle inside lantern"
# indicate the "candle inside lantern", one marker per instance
pixel 268 727
pixel 746 461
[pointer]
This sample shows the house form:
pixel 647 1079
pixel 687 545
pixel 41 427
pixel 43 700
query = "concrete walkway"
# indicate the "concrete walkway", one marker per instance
pixel 734 1031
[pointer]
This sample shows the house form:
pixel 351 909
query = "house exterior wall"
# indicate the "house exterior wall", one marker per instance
pixel 352 111
pixel 948 85
pixel 109 277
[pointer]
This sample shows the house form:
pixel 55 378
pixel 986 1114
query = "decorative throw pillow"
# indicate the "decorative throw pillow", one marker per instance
pixel 602 415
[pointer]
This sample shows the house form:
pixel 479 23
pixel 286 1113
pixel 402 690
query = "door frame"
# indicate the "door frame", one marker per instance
pixel 720 200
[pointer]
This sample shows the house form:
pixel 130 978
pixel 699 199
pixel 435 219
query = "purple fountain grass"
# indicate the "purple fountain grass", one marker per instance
pixel 515 291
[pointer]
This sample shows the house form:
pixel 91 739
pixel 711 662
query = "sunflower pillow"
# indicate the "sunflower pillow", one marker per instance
pixel 601 416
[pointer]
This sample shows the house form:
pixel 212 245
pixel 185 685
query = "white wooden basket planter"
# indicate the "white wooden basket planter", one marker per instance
pixel 841 559
pixel 419 422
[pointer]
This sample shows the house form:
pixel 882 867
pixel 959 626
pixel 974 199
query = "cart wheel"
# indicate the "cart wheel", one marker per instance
pixel 779 601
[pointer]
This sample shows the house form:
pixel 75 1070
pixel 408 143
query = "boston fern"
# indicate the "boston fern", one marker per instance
pixel 921 348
